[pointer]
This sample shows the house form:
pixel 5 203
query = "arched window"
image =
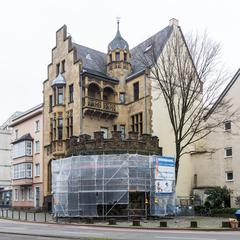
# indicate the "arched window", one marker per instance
pixel 94 91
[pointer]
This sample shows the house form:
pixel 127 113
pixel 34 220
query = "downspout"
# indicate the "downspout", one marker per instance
pixel 81 101
pixel 145 102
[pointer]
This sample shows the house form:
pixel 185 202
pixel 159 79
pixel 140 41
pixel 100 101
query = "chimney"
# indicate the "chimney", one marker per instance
pixel 173 22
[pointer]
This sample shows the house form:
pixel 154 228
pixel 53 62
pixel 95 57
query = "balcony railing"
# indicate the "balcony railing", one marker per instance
pixel 99 104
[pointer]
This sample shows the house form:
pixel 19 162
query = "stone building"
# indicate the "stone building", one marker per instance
pixel 88 90
pixel 27 159
pixel 216 158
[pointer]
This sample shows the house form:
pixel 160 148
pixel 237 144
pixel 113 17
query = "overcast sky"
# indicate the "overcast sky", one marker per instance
pixel 28 34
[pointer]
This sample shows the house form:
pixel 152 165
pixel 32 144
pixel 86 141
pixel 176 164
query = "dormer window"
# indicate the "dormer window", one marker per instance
pixel 117 56
pixel 110 57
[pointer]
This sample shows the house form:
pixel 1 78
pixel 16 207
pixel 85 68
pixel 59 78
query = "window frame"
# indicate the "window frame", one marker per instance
pixel 71 93
pixel 227 129
pixel 117 56
pixel 135 91
pixel 227 179
pixel 37 169
pixel 37 125
pixel 225 152
pixel 37 147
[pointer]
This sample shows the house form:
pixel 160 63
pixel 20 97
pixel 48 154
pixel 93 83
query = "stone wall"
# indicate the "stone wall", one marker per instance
pixel 84 144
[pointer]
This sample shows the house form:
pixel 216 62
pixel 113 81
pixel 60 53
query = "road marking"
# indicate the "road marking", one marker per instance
pixel 82 233
pixel 185 238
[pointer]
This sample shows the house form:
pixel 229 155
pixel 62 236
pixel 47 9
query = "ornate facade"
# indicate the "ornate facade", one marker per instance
pixel 88 91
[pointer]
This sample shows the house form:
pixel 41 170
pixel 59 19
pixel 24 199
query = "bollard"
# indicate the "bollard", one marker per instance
pixel 19 215
pixel 45 216
pixel 136 223
pixel 7 213
pixel 34 217
pixel 193 224
pixel 226 225
pixel 56 218
pixel 25 216
pixel 163 224
pixel 89 220
pixel 12 214
pixel 112 221
pixel 2 213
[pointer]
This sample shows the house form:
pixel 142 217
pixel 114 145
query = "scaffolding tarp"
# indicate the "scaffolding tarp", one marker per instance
pixel 104 185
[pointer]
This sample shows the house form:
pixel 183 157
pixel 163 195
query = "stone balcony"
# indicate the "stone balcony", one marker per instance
pixel 85 145
pixel 93 106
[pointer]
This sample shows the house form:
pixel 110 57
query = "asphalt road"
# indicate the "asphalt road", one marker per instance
pixel 57 231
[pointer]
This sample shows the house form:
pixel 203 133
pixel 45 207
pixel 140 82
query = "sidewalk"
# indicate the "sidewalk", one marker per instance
pixel 205 223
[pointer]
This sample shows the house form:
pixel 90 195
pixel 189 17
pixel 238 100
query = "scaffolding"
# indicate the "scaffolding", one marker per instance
pixel 120 185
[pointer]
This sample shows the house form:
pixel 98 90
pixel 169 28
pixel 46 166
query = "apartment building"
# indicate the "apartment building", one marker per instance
pixel 27 159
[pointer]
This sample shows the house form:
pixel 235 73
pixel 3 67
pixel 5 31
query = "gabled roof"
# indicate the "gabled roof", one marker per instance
pixel 157 41
pixel 96 61
pixel 224 92
pixel 25 137
pixel 92 59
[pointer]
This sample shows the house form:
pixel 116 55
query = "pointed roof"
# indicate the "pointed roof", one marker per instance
pixel 96 61
pixel 25 137
pixel 118 43
pixel 59 80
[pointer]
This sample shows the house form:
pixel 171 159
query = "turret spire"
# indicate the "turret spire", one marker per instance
pixel 118 22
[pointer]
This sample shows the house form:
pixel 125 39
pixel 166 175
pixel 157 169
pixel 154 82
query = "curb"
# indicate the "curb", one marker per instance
pixel 130 227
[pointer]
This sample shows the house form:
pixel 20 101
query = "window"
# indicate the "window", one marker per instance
pixel 60 95
pixel 16 134
pixel 110 57
pixel 28 170
pixel 16 194
pixel 228 152
pixel 117 56
pixel 63 66
pixel 60 126
pixel 137 124
pixel 69 124
pixel 125 56
pixel 122 129
pixel 28 148
pixel 122 97
pixel 37 126
pixel 50 103
pixel 136 91
pixel 71 93
pixel 37 146
pixel 21 149
pixel 22 194
pixel 114 127
pixel 229 176
pixel 57 69
pixel 105 132
pixel 22 170
pixel 227 126
pixel 29 193
pixel 37 170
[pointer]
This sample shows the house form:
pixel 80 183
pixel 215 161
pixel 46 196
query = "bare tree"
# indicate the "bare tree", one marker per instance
pixel 188 75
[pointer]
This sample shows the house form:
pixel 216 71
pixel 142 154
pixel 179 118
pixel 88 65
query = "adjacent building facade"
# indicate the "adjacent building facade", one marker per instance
pixel 5 161
pixel 88 90
pixel 27 159
pixel 216 158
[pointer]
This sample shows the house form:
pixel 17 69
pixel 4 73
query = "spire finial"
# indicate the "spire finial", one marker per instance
pixel 118 22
